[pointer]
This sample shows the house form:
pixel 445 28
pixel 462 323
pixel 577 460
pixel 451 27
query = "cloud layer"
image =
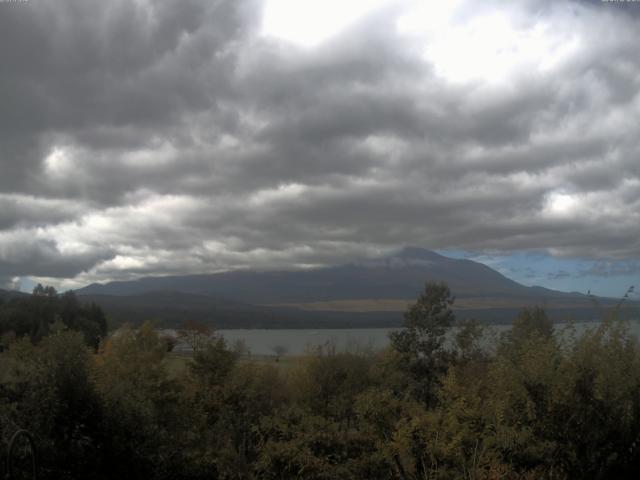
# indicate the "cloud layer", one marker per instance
pixel 175 136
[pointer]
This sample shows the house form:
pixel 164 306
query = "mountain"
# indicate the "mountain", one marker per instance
pixel 170 309
pixel 400 276
pixel 373 291
pixel 9 294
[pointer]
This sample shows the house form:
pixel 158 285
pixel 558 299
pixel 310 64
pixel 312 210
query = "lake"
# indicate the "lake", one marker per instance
pixel 297 341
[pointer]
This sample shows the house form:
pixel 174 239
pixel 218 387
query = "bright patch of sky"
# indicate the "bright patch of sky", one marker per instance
pixel 309 23
pixel 23 284
pixel 488 47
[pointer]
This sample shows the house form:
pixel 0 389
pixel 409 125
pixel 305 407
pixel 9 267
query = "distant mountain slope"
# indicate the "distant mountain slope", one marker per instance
pixel 7 294
pixel 400 276
pixel 372 292
pixel 170 309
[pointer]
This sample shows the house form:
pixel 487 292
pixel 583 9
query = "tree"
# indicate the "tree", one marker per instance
pixel 48 291
pixel 468 341
pixel 240 348
pixel 532 321
pixel 279 351
pixel 327 381
pixel 195 334
pixel 213 362
pixel 45 311
pixel 51 394
pixel 143 423
pixel 420 343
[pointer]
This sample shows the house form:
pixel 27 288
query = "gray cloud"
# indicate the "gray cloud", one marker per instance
pixel 44 256
pixel 171 136
pixel 612 269
pixel 559 275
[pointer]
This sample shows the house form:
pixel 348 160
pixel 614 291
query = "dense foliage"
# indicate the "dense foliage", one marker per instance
pixel 532 403
pixel 37 315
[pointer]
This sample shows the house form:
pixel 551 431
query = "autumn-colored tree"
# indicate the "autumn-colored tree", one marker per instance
pixel 195 334
pixel 143 409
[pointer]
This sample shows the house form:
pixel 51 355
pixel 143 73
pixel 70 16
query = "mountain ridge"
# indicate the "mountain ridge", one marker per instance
pixel 400 276
pixel 369 292
pixel 9 294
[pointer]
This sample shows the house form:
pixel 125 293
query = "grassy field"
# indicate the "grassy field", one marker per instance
pixel 401 305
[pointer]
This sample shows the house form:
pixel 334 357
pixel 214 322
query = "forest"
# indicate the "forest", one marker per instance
pixel 536 402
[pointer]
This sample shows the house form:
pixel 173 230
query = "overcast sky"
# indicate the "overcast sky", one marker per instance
pixel 143 137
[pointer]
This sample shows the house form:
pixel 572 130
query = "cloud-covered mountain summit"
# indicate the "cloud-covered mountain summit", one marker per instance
pixel 401 275
pixel 360 293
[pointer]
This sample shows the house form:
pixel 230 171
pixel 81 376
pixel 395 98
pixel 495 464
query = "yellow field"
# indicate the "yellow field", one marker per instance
pixel 400 305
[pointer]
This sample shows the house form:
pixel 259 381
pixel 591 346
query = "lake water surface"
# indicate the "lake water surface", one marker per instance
pixel 297 341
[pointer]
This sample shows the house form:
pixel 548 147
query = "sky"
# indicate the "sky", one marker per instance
pixel 160 137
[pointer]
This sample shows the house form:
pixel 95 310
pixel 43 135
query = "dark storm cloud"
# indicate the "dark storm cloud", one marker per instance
pixel 21 211
pixel 142 137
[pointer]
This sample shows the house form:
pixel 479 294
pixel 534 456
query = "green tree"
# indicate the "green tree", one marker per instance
pixel 212 361
pixel 51 394
pixel 34 316
pixel 532 321
pixel 421 343
pixel 327 382
pixel 144 425
pixel 468 342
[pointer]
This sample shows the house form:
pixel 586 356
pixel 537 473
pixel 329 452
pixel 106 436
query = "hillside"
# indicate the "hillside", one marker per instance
pixel 370 292
pixel 170 309
pixel 400 276
pixel 8 294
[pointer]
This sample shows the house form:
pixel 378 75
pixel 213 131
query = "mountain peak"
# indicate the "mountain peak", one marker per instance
pixel 418 253
pixel 382 284
pixel 406 257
